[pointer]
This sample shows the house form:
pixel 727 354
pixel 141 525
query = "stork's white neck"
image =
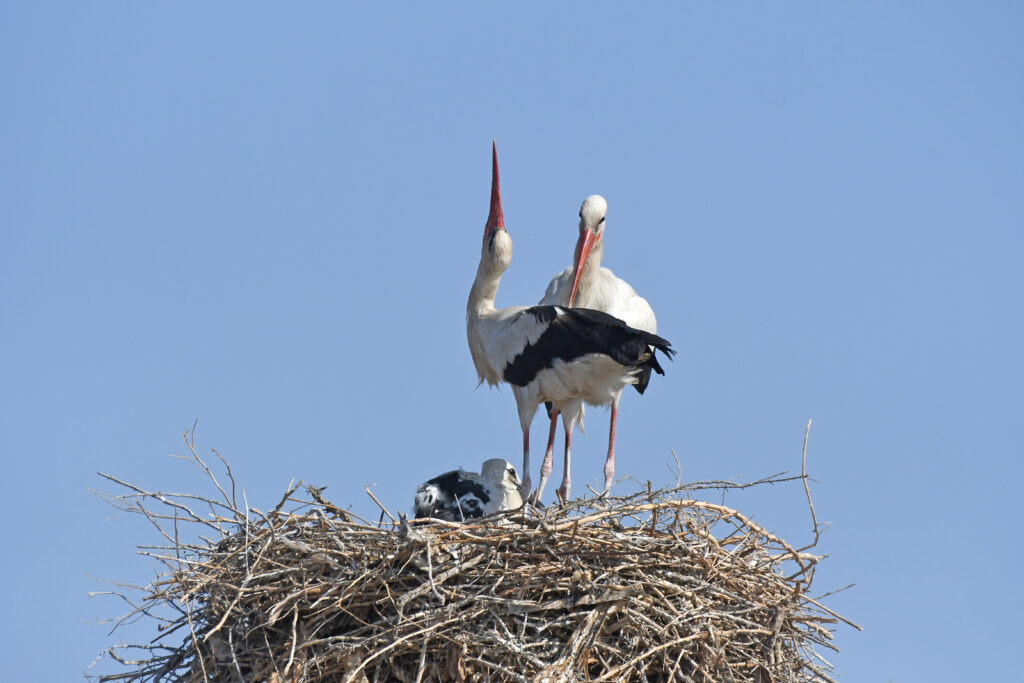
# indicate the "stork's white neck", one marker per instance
pixel 483 293
pixel 495 255
pixel 494 259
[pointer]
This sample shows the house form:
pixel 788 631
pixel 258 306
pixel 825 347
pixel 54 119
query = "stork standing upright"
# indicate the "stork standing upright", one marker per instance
pixel 589 285
pixel 548 353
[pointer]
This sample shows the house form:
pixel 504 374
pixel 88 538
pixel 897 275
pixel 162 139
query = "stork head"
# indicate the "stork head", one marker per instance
pixel 592 214
pixel 501 474
pixel 499 471
pixel 503 479
pixel 497 245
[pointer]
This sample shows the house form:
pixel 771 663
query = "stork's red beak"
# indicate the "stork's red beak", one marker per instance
pixel 586 242
pixel 495 219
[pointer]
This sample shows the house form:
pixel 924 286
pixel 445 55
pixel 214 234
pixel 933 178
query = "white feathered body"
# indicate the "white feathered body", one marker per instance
pixel 496 340
pixel 602 290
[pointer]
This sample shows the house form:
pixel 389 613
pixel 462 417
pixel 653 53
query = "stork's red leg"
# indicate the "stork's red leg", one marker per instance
pixel 524 487
pixel 563 490
pixel 609 463
pixel 545 467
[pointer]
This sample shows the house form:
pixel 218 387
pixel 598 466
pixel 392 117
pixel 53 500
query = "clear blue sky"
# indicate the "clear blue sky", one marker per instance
pixel 268 219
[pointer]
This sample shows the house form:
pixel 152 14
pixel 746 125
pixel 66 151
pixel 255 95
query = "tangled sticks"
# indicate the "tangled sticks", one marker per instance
pixel 652 586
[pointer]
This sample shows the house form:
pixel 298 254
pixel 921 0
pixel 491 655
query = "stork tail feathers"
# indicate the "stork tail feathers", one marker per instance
pixel 650 362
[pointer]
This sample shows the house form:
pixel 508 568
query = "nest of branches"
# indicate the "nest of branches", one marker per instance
pixel 657 585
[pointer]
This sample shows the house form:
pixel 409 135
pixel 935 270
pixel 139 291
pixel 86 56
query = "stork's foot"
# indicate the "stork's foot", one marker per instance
pixel 535 500
pixel 529 510
pixel 562 493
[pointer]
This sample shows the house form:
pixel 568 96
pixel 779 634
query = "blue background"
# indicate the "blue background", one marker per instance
pixel 267 218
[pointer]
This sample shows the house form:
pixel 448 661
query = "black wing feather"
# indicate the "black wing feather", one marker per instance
pixel 581 331
pixel 451 497
pixel 454 485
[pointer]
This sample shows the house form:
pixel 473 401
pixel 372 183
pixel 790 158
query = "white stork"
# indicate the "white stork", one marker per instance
pixel 459 495
pixel 588 285
pixel 549 353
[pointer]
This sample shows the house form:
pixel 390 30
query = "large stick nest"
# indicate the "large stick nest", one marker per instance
pixel 651 586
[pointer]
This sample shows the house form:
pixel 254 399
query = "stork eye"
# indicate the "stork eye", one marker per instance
pixel 601 221
pixel 581 213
